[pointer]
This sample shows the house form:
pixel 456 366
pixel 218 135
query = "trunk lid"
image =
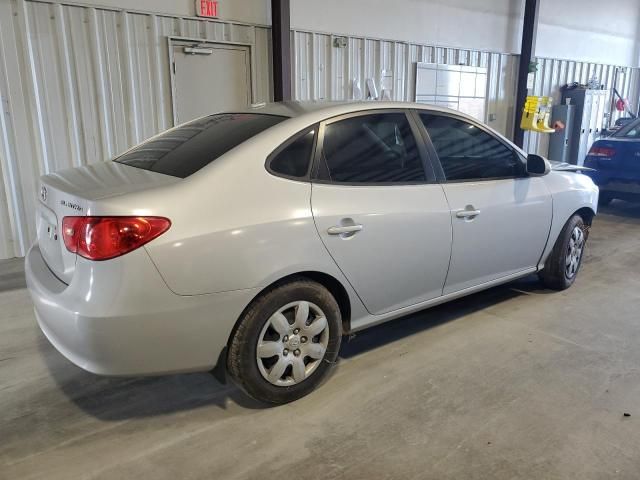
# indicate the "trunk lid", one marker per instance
pixel 71 193
pixel 625 163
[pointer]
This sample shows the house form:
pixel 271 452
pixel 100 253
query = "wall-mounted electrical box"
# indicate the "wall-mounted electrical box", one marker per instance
pixel 560 142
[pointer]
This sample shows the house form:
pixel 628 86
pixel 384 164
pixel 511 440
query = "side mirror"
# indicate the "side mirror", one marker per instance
pixel 537 166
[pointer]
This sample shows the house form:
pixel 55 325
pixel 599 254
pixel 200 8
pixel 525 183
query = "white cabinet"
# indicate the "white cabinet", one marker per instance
pixel 458 87
pixel 589 120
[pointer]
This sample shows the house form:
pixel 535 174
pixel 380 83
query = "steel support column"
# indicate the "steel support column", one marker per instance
pixel 527 52
pixel 281 49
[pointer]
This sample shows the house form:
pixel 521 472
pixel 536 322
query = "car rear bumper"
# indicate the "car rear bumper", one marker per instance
pixel 119 318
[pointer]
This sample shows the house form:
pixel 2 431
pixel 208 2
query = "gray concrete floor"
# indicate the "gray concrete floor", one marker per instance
pixel 516 382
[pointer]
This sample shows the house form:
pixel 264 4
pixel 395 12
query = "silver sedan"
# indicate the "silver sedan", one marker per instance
pixel 253 241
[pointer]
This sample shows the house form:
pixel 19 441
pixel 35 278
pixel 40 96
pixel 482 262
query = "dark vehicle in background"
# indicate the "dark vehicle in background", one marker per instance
pixel 619 123
pixel 616 164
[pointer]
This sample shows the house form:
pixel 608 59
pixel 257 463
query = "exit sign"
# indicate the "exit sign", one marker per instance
pixel 207 8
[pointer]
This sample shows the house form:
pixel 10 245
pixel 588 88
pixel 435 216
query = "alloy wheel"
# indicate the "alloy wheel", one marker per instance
pixel 574 252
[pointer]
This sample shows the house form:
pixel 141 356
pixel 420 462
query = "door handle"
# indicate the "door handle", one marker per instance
pixel 341 230
pixel 467 213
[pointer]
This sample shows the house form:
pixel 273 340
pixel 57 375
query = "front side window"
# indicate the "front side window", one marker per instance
pixel 186 149
pixel 293 160
pixel 376 148
pixel 467 152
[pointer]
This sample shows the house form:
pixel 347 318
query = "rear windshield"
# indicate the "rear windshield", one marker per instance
pixel 184 150
pixel 631 130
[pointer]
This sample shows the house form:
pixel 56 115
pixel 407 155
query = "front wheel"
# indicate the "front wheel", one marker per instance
pixel 561 268
pixel 286 342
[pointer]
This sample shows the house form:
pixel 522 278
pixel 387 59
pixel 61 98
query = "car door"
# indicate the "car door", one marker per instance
pixel 500 216
pixel 378 210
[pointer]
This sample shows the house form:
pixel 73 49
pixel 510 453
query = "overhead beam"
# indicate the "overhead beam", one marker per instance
pixel 281 49
pixel 527 52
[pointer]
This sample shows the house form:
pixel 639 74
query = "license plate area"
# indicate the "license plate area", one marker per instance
pixel 49 239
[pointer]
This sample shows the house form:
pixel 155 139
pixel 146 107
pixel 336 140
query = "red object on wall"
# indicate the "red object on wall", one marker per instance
pixel 207 8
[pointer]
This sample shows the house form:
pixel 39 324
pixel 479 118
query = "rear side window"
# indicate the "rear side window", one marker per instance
pixel 377 148
pixel 184 150
pixel 467 152
pixel 631 130
pixel 293 159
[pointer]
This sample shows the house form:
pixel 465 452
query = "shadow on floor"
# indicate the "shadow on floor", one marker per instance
pixel 403 327
pixel 620 208
pixel 115 399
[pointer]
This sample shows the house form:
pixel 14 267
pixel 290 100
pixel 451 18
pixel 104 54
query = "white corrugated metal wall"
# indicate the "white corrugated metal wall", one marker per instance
pixel 553 73
pixel 80 84
pixel 324 72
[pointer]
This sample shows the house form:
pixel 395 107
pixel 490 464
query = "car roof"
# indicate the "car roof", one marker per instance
pixel 302 114
pixel 327 109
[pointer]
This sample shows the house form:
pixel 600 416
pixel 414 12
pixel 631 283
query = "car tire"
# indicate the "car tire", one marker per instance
pixel 564 261
pixel 604 199
pixel 262 330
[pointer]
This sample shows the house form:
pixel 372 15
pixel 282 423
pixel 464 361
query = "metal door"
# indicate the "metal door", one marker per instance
pixel 500 217
pixel 400 253
pixel 500 228
pixel 210 78
pixel 391 240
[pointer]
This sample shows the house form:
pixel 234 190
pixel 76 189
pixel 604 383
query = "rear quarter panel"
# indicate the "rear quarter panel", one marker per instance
pixel 234 226
pixel 570 191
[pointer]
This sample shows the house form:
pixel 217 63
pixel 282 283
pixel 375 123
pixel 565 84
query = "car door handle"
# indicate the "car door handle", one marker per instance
pixel 342 229
pixel 467 213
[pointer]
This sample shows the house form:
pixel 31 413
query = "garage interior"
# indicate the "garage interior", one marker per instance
pixel 514 382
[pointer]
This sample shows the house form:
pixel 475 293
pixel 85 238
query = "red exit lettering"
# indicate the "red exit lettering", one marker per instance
pixel 207 8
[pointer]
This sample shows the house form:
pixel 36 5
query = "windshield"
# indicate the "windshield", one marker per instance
pixel 631 130
pixel 184 150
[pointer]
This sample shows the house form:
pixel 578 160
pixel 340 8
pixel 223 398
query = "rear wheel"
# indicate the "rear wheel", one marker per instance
pixel 561 268
pixel 286 342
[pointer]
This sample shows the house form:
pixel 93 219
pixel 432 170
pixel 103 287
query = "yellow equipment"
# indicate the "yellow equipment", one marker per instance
pixel 537 114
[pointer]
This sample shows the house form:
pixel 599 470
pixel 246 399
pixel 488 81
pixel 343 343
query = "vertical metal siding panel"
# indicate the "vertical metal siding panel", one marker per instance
pixel 160 87
pixel 104 113
pixel 304 65
pixel 324 63
pixel 493 68
pixel 9 218
pixel 356 63
pixel 39 128
pixel 72 126
pixel 20 148
pixel 401 54
pixel 116 71
pixel 264 72
pixel 141 75
pixel 89 105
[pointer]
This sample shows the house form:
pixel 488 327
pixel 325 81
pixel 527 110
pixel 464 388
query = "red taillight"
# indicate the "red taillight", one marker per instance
pixel 102 238
pixel 601 151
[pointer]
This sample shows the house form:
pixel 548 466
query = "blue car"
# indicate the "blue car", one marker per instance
pixel 616 164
